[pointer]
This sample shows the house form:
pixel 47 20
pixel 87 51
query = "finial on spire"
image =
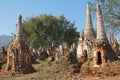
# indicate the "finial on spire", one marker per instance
pixel 20 17
pixel 88 8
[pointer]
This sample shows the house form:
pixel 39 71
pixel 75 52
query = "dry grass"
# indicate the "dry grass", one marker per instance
pixel 62 70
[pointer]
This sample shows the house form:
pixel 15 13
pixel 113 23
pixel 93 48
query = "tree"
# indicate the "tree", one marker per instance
pixel 111 14
pixel 47 31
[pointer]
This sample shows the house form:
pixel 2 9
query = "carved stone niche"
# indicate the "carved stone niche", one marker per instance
pixel 19 58
pixel 102 53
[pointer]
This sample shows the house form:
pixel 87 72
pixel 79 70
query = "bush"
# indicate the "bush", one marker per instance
pixel 44 63
pixel 98 75
pixel 90 59
pixel 3 66
pixel 107 65
pixel 87 69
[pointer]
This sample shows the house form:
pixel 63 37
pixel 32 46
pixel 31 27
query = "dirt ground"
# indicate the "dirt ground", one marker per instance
pixel 64 70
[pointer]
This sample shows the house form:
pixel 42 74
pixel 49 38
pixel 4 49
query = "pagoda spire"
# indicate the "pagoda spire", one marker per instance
pixel 89 31
pixel 101 34
pixel 19 34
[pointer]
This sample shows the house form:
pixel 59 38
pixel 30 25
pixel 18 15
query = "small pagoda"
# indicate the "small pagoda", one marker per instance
pixel 84 43
pixel 18 56
pixel 102 50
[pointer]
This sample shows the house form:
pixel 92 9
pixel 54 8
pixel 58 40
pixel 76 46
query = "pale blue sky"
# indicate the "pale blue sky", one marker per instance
pixel 73 10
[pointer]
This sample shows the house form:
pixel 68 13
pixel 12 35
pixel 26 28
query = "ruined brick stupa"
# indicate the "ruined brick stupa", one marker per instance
pixel 102 49
pixel 84 45
pixel 18 56
pixel 89 31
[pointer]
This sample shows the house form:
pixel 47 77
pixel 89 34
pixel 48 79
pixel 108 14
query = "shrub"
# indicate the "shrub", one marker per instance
pixel 107 74
pixel 107 65
pixel 3 66
pixel 44 63
pixel 87 69
pixel 90 59
pixel 98 74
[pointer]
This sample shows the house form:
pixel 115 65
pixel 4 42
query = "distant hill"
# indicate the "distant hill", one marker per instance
pixel 5 40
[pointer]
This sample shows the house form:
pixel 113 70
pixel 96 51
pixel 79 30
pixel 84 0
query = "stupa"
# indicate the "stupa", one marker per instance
pixel 103 51
pixel 18 56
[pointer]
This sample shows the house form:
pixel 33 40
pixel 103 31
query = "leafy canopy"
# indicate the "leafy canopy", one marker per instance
pixel 48 31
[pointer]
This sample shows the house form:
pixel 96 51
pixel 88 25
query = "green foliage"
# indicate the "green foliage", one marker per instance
pixel 47 31
pixel 0 78
pixel 106 74
pixel 45 63
pixel 47 69
pixel 52 63
pixel 107 64
pixel 98 75
pixel 86 68
pixel 111 14
pixel 90 58
pixel 3 66
pixel 80 75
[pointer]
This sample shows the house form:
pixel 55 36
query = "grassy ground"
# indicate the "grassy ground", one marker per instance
pixel 58 70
